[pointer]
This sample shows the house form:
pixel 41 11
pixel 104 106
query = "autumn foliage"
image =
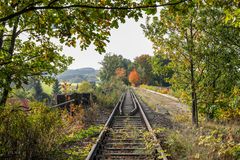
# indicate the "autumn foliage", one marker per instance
pixel 120 73
pixel 133 77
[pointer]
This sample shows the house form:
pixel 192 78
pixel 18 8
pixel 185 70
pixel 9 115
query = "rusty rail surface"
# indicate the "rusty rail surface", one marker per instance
pixel 101 136
pixel 158 146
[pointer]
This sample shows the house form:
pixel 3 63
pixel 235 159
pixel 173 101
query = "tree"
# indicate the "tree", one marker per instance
pixel 151 70
pixel 67 87
pixel 68 21
pixel 38 89
pixel 56 89
pixel 144 68
pixel 85 87
pixel 162 72
pixel 133 77
pixel 110 64
pixel 221 73
pixel 182 24
pixel 39 94
pixel 184 34
pixel 120 73
pixel 231 10
pixel 29 6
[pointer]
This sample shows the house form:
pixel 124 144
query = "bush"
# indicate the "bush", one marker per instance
pixel 162 90
pixel 29 135
pixel 107 100
pixel 85 87
pixel 75 122
pixel 109 93
pixel 23 93
pixel 207 142
pixel 178 145
pixel 228 115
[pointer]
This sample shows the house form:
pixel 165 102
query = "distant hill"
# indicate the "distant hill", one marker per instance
pixel 79 75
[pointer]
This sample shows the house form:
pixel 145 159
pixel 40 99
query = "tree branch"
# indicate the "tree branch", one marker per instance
pixel 52 2
pixel 24 30
pixel 49 6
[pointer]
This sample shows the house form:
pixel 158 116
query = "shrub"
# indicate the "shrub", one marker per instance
pixel 23 93
pixel 210 141
pixel 178 145
pixel 107 100
pixel 164 91
pixel 75 122
pixel 156 89
pixel 85 87
pixel 29 135
pixel 220 144
pixel 109 93
pixel 228 114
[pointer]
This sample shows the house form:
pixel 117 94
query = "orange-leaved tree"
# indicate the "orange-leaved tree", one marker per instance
pixel 133 77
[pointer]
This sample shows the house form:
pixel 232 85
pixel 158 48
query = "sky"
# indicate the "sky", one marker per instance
pixel 128 40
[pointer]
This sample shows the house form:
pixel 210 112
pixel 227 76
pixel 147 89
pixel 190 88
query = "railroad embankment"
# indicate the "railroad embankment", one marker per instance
pixel 171 121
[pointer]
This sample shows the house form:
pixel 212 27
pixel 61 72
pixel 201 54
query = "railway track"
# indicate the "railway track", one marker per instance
pixel 124 134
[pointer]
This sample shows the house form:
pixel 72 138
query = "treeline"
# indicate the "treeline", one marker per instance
pixel 141 71
pixel 202 43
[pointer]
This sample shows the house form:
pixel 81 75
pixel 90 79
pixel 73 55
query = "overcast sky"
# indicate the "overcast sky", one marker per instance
pixel 128 40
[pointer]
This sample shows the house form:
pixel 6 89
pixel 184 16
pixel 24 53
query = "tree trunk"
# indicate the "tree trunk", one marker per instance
pixel 4 96
pixel 8 80
pixel 2 35
pixel 194 96
pixel 5 92
pixel 193 81
pixel 13 37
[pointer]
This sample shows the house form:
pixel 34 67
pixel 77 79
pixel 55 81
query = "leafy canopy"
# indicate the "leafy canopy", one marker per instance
pixel 111 64
pixel 86 22
pixel 203 50
pixel 133 77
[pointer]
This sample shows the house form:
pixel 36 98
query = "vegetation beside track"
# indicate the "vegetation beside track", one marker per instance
pixel 32 134
pixel 44 133
pixel 211 140
pixel 163 90
pixel 77 145
pixel 38 131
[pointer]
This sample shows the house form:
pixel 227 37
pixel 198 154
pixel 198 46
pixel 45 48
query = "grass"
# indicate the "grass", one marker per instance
pixel 211 140
pixel 90 132
pixel 47 88
pixel 78 144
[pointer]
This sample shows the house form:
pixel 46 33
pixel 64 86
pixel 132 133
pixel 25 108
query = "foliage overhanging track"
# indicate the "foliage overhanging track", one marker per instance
pixel 122 136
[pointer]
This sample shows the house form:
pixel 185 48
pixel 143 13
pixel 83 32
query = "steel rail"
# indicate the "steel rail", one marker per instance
pixel 101 136
pixel 145 119
pixel 120 107
pixel 137 106
pixel 135 109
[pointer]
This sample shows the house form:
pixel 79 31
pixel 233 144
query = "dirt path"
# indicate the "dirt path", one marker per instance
pixel 162 104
